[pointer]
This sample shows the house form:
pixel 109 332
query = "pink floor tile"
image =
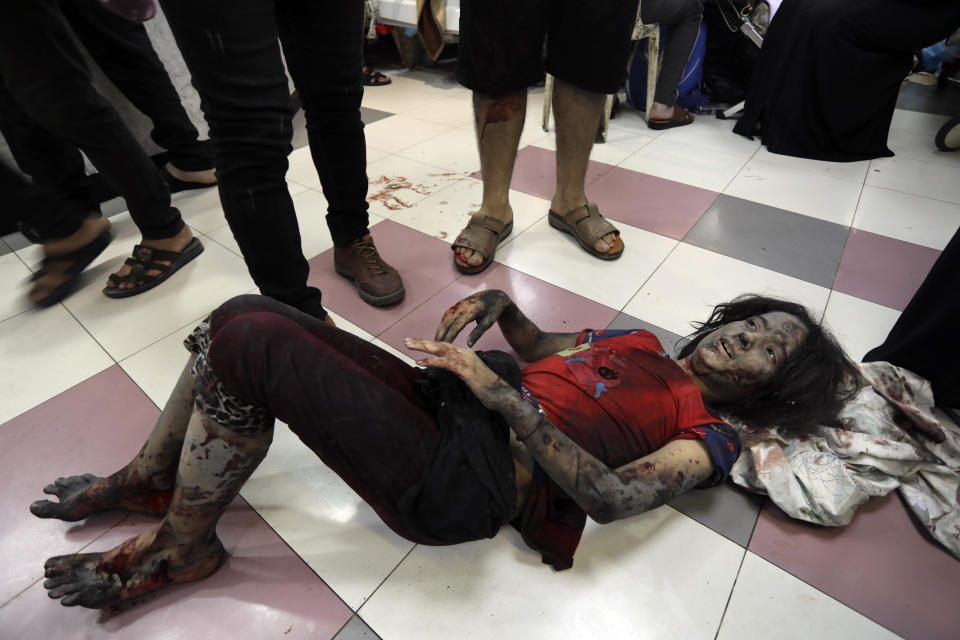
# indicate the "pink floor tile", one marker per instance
pixel 424 263
pixel 95 427
pixel 535 172
pixel 879 564
pixel 882 269
pixel 550 307
pixel 655 204
pixel 262 591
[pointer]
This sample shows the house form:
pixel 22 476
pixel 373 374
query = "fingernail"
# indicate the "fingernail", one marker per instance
pixel 407 341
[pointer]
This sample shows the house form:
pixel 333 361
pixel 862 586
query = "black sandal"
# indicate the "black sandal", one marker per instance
pixel 79 260
pixel 373 78
pixel 146 259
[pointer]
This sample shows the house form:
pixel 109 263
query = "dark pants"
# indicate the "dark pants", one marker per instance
pixel 45 77
pixel 232 51
pixel 352 403
pixel 58 217
pixel 122 49
pixel 683 19
pixel 925 339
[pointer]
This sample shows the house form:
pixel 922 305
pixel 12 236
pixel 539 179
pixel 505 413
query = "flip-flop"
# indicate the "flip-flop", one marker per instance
pixel 373 78
pixel 680 119
pixel 482 234
pixel 145 259
pixel 81 259
pixel 176 185
pixel 587 226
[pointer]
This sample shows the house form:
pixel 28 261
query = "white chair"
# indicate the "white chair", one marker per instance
pixel 640 31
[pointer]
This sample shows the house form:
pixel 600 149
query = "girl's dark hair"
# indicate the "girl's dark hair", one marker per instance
pixel 809 388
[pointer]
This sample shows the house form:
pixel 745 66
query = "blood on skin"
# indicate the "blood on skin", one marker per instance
pixel 500 110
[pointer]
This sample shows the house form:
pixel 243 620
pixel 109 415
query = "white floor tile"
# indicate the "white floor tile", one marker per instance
pixel 124 326
pixel 851 171
pixel 15 286
pixel 917 122
pixel 620 145
pixel 692 280
pixel 695 166
pixel 547 253
pixel 323 520
pixel 858 324
pixel 451 112
pixel 397 97
pixel 927 179
pixel 768 602
pixel 454 150
pixel 712 134
pixel 42 353
pixel 444 214
pixel 203 212
pixel 908 217
pixel 920 146
pixel 398 184
pixel 157 367
pixel 399 132
pixel 658 575
pixel 796 190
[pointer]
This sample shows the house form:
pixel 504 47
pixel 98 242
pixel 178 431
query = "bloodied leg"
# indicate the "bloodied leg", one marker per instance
pixel 145 485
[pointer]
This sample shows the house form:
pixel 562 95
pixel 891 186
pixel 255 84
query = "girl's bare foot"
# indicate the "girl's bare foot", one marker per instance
pixel 82 496
pixel 142 564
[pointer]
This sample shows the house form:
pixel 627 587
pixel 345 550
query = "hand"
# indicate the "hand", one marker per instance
pixel 462 362
pixel 484 308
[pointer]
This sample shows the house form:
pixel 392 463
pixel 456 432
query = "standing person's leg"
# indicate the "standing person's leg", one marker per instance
pixel 322 43
pixel 233 54
pixel 258 365
pixel 501 54
pixel 123 50
pixel 683 17
pixel 45 74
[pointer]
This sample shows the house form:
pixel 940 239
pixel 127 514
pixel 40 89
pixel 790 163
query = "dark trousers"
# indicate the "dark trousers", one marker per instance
pixel 59 217
pixel 232 51
pixel 683 19
pixel 925 339
pixel 45 77
pixel 122 49
pixel 352 403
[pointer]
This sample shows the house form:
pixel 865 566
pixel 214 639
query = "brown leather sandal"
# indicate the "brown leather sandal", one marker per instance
pixel 482 234
pixel 146 259
pixel 587 226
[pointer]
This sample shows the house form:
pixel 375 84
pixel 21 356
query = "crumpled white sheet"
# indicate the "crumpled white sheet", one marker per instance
pixel 889 439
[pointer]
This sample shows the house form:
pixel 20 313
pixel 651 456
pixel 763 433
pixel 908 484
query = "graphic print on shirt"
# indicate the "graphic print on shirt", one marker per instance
pixel 597 368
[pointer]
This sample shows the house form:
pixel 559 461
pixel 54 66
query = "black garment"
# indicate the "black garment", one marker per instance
pixel 232 51
pixel 54 216
pixel 501 43
pixel 925 339
pixel 45 75
pixel 829 72
pixel 469 489
pixel 122 49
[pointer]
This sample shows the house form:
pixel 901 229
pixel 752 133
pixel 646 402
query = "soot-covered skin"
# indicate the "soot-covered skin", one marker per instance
pixel 605 494
pixel 82 496
pixel 487 307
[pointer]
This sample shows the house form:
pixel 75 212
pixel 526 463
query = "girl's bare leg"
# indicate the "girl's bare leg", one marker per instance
pixel 144 485
pixel 213 464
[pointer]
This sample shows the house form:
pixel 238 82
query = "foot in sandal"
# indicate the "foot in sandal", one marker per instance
pixel 65 259
pixel 152 262
pixel 592 231
pixel 475 247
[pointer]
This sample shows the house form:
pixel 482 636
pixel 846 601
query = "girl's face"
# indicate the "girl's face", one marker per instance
pixel 736 357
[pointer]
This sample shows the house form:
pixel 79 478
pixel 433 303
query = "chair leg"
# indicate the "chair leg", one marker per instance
pixel 653 68
pixel 547 99
pixel 605 119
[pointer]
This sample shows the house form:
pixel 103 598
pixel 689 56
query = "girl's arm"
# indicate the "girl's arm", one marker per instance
pixel 605 494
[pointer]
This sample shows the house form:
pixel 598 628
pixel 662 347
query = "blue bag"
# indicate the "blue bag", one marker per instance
pixel 689 93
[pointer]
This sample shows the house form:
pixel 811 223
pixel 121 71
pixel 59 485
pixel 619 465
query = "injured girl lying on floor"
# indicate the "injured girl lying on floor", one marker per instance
pixel 605 425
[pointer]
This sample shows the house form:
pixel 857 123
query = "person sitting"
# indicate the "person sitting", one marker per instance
pixel 683 17
pixel 606 426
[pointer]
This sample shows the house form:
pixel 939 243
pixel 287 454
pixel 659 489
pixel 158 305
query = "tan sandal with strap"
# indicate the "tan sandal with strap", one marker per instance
pixel 482 234
pixel 587 226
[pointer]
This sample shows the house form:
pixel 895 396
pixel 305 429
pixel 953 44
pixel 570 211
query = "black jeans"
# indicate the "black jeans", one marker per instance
pixel 122 49
pixel 232 51
pixel 47 81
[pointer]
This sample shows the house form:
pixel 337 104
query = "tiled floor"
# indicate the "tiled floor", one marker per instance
pixel 705 215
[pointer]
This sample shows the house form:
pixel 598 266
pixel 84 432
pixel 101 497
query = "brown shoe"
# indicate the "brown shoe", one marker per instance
pixel 377 282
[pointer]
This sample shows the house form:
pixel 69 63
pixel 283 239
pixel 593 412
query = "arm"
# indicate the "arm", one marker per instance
pixel 487 307
pixel 605 494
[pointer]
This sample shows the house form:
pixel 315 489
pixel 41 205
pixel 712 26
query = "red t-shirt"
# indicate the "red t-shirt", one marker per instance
pixel 620 397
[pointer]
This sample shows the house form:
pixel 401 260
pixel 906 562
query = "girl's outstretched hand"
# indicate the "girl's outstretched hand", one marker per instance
pixel 463 363
pixel 484 308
